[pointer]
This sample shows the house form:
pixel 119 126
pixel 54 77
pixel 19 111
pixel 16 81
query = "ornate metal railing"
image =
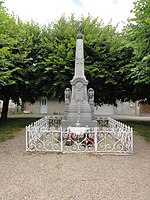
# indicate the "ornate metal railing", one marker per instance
pixel 114 137
pixel 109 137
pixel 37 131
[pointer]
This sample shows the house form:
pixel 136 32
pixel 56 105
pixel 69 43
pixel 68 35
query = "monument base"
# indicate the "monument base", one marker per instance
pixel 66 123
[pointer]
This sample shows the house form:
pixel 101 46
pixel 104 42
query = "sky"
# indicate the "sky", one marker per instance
pixel 44 11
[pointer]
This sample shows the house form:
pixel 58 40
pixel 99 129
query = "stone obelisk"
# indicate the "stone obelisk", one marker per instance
pixel 79 103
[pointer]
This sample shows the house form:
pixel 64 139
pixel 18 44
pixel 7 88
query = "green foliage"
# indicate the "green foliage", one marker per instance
pixel 139 28
pixel 138 37
pixel 57 64
pixel 17 57
pixel 57 113
pixel 105 56
pixel 6 39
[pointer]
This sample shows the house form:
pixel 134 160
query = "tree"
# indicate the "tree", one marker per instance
pixel 17 60
pixel 6 69
pixel 138 37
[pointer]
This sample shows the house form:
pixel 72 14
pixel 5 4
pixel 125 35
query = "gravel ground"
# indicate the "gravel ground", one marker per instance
pixel 73 176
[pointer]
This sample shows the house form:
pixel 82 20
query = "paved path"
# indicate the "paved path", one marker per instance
pixel 140 118
pixel 73 176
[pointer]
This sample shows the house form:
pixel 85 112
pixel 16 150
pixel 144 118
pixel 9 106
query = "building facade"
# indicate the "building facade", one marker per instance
pixel 45 106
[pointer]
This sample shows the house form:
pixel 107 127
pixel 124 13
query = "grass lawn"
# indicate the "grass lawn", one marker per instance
pixel 140 127
pixel 10 127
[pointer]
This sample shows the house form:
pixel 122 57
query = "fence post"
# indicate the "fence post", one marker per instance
pixel 95 139
pixel 131 132
pixel 61 138
pixel 27 138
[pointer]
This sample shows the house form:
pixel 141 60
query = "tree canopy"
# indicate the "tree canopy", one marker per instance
pixel 138 37
pixel 105 56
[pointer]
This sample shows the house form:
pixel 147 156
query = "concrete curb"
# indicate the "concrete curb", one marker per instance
pixel 117 117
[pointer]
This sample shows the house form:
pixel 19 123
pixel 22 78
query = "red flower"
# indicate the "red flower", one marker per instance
pixel 91 140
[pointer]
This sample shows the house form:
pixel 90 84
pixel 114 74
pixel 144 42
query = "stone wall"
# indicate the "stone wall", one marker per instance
pixel 52 107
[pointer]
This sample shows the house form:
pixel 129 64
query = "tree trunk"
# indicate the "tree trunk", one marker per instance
pixel 22 106
pixel 5 109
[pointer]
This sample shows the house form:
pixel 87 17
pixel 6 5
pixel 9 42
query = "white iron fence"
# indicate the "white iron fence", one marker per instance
pixel 109 137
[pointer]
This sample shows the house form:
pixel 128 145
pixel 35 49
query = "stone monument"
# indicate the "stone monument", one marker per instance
pixel 79 103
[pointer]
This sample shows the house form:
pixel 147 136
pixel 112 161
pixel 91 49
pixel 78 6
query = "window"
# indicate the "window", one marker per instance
pixel 43 101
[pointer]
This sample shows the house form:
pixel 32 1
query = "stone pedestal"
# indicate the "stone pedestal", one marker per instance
pixel 79 104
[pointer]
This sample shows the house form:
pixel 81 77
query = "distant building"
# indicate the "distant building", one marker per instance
pixel 13 108
pixel 43 105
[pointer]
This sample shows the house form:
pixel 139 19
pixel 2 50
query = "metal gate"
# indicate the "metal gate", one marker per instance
pixel 110 137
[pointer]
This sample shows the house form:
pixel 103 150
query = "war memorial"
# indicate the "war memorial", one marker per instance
pixel 79 130
pixel 79 103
